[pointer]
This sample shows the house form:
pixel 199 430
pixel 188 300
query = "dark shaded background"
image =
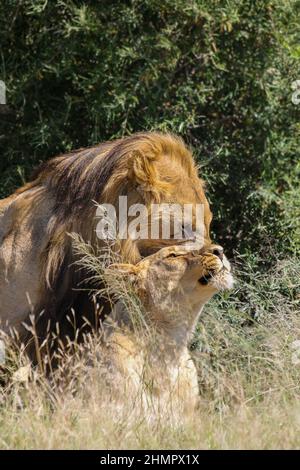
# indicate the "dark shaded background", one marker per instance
pixel 217 73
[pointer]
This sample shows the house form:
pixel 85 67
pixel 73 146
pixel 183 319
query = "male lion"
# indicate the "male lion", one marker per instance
pixel 37 269
pixel 151 359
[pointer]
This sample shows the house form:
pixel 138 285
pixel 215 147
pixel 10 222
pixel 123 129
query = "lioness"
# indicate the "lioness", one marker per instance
pixel 173 286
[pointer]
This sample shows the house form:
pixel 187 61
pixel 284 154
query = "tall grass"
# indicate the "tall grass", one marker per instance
pixel 247 352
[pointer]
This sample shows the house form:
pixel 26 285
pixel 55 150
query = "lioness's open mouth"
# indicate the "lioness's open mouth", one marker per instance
pixel 204 280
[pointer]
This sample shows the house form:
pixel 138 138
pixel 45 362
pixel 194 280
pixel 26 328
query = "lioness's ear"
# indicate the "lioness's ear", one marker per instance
pixel 129 270
pixel 143 173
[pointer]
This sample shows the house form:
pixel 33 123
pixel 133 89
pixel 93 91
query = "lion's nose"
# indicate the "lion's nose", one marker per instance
pixel 217 250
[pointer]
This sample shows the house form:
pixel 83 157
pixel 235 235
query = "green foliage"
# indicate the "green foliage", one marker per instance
pixel 218 73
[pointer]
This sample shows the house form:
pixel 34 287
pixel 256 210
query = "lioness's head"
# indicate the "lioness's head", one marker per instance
pixel 175 283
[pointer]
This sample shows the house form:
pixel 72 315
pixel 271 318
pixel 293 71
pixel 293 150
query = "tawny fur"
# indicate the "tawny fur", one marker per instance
pixel 154 363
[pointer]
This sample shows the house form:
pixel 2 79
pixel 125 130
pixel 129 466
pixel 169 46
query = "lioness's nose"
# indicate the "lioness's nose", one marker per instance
pixel 216 250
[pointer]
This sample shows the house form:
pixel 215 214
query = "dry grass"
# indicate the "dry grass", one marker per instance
pixel 246 352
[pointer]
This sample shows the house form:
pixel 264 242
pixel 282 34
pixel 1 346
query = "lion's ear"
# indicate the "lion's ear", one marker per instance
pixel 144 175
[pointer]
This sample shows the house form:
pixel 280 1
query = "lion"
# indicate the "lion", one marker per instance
pixel 38 274
pixel 151 360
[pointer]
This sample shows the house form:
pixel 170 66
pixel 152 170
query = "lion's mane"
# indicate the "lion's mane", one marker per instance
pixel 35 222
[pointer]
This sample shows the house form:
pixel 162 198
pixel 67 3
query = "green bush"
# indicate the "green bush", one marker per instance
pixel 217 73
